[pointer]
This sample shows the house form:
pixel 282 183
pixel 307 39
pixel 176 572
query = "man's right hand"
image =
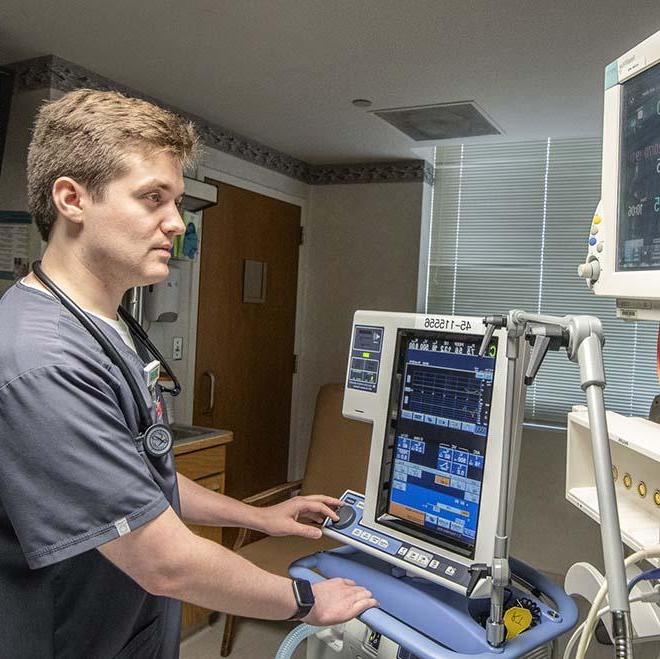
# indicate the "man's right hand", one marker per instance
pixel 337 601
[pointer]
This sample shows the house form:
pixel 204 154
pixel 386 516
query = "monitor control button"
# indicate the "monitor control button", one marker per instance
pixel 434 564
pixel 450 570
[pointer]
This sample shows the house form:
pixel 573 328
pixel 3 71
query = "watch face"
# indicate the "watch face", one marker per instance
pixel 304 593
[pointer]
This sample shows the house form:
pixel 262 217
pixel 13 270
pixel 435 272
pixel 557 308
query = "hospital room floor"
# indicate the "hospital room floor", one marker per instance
pixel 255 639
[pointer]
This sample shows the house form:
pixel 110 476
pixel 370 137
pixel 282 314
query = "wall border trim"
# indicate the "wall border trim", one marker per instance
pixel 52 72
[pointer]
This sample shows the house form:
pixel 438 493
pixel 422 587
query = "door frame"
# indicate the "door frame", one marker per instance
pixel 296 462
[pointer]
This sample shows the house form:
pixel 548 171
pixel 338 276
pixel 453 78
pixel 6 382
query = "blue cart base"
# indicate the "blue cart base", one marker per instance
pixel 433 622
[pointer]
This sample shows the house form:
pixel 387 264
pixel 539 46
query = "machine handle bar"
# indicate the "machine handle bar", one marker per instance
pixel 425 648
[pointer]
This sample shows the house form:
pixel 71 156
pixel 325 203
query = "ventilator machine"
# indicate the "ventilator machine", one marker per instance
pixel 445 398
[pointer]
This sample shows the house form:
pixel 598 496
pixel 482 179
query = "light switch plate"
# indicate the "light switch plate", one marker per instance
pixel 177 348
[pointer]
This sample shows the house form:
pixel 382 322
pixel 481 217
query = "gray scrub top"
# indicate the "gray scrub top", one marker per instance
pixel 71 477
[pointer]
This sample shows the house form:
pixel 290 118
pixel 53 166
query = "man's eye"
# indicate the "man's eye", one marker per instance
pixel 153 196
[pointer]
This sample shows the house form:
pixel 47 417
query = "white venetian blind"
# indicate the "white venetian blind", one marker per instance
pixel 509 228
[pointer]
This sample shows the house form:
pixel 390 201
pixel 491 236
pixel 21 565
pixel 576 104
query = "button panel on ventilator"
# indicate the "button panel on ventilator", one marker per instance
pixel 349 530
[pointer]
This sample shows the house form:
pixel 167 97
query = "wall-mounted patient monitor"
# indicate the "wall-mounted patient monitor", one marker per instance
pixel 623 259
pixel 437 410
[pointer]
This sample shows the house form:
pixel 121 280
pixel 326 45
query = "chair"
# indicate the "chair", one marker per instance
pixel 337 461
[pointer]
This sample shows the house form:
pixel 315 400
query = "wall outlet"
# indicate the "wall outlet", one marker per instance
pixel 177 348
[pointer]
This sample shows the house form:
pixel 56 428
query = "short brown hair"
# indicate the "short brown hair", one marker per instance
pixel 87 134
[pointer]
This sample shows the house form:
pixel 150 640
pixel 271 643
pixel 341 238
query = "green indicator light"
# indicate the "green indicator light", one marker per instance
pixel 492 351
pixel 366 355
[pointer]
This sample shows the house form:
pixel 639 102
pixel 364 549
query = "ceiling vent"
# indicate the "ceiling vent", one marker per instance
pixel 446 121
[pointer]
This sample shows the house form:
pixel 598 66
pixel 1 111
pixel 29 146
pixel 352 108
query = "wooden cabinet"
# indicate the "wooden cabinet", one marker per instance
pixel 202 460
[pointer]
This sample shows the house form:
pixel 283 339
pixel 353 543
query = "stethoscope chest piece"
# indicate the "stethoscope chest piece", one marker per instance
pixel 157 440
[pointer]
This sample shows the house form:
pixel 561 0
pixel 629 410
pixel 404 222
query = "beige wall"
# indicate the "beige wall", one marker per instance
pixel 361 252
pixel 548 531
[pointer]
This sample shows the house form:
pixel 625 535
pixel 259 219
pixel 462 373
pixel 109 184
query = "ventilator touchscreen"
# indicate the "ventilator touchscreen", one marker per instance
pixel 443 393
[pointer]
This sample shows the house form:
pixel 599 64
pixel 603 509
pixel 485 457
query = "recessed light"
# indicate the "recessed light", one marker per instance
pixel 361 103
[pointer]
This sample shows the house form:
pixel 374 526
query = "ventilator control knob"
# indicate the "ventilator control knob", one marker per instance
pixel 346 517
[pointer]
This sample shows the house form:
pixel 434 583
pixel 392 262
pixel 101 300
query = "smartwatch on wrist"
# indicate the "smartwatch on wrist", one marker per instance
pixel 302 591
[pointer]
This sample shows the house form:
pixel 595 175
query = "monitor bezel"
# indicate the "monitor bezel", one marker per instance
pixel 637 284
pixel 372 407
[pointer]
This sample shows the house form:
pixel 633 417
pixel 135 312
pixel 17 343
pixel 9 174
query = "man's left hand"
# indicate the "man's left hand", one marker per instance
pixel 292 517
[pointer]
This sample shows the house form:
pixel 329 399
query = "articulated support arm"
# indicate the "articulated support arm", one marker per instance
pixel 582 337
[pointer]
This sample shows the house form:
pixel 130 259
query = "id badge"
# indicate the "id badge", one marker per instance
pixel 151 374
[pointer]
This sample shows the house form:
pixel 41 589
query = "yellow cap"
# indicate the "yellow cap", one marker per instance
pixel 516 620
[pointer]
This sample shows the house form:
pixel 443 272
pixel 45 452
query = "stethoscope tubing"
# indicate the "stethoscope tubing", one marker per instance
pixel 149 345
pixel 108 348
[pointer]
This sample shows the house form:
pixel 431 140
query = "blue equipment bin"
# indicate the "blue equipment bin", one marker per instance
pixel 433 622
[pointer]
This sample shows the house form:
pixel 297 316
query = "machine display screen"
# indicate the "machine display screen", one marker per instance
pixel 441 428
pixel 639 177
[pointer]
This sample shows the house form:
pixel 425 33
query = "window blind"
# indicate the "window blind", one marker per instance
pixel 509 226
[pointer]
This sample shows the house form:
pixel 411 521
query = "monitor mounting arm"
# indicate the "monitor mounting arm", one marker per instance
pixel 582 338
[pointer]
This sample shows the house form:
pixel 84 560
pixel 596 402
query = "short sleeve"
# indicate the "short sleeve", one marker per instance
pixel 71 476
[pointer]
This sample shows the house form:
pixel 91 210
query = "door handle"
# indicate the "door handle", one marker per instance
pixel 211 376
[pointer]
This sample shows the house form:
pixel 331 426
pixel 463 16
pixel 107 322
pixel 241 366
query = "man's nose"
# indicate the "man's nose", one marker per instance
pixel 174 223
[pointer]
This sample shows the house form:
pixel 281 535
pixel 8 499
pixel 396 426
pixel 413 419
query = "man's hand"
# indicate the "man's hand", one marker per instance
pixel 337 601
pixel 289 517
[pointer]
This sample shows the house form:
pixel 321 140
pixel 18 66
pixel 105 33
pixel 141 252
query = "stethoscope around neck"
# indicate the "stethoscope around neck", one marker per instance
pixel 155 438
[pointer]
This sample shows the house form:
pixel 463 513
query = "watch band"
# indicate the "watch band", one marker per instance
pixel 302 591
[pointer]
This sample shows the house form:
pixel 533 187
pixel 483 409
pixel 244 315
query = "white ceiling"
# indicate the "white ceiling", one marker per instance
pixel 284 72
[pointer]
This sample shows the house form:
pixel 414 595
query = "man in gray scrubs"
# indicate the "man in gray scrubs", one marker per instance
pixel 94 556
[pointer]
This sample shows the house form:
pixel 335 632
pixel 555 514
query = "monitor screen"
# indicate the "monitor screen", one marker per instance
pixel 444 394
pixel 638 235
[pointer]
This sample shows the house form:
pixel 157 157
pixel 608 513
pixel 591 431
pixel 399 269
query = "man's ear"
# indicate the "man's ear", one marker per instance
pixel 69 198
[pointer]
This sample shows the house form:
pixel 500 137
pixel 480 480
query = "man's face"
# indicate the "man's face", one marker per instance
pixel 128 234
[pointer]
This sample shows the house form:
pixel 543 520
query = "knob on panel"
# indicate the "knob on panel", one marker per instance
pixel 590 270
pixel 346 517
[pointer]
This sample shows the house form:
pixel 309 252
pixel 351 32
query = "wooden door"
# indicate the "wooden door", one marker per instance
pixel 247 347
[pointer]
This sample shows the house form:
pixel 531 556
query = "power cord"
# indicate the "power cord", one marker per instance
pixel 592 617
pixel 646 597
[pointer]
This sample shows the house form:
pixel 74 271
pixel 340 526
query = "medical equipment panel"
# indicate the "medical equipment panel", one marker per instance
pixel 623 252
pixel 365 358
pixel 437 409
pixel 638 244
pixel 635 472
pixel 406 555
